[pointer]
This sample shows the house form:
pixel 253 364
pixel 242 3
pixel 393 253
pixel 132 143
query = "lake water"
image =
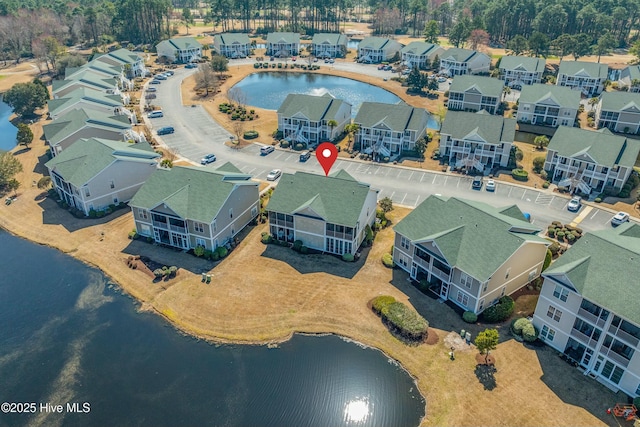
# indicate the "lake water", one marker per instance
pixel 8 131
pixel 68 336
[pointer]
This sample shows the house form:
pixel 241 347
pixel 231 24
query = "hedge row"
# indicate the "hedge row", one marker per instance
pixel 400 318
pixel 500 311
pixel 520 174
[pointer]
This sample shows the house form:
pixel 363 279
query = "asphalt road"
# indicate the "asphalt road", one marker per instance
pixel 198 134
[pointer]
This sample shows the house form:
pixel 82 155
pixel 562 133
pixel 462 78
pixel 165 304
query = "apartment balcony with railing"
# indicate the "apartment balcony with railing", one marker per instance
pixel 169 223
pixel 590 317
pixel 585 339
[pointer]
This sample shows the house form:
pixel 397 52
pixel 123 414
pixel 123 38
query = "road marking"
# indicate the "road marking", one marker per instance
pixel 594 214
pixel 405 196
pixel 249 173
pixel 388 170
pixel 525 192
pixel 410 176
pixel 391 197
pixel 577 220
pixel 434 179
pixel 399 173
pixel 417 200
pixel 510 188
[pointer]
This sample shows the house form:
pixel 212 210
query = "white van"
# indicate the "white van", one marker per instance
pixel 155 114
pixel 267 149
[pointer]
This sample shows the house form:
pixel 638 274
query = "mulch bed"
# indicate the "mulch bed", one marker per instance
pixel 432 337
pixel 480 359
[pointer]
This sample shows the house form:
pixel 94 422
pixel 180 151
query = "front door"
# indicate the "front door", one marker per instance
pixel 444 290
pixel 586 358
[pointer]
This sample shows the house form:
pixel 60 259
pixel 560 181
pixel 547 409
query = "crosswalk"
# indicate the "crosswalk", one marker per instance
pixel 544 199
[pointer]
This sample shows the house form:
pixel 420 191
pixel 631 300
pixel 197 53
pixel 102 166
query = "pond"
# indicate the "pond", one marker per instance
pixel 8 131
pixel 68 335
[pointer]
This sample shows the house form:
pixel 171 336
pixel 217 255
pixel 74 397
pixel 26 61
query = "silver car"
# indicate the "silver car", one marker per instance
pixel 274 174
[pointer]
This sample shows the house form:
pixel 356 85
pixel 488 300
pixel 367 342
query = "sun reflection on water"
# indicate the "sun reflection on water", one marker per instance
pixel 356 411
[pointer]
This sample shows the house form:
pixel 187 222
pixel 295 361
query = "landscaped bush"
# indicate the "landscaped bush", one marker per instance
pixel 198 251
pixel 598 200
pixel 304 250
pixel 469 317
pixel 250 134
pixel 381 302
pixel 500 311
pixel 560 235
pixel 222 251
pixel 529 333
pixel 173 270
pixel 387 260
pixel 518 324
pixel 297 245
pixel 299 146
pixel 133 235
pixel 400 318
pixel 266 238
pixel 284 143
pixel 158 273
pixel 348 257
pixel 520 174
pixel 545 184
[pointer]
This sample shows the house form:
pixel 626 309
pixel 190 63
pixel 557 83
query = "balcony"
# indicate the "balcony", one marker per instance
pixel 588 341
pixel 159 224
pixel 439 274
pixel 590 317
pixel 338 235
pixel 633 341
pixel 615 357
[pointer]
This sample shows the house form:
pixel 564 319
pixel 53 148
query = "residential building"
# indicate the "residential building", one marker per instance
pixel 98 173
pixel 131 64
pixel 283 44
pixel 420 54
pixel 107 85
pixel 180 49
pixel 385 130
pixel 587 77
pixel 328 214
pixel 329 45
pixel 630 78
pixel 476 140
pixel 232 45
pixel 475 93
pixel 78 124
pixel 87 99
pixel 590 161
pixel 548 105
pixel 100 70
pixel 619 112
pixel 305 118
pixel 188 206
pixel 456 62
pixel 519 71
pixel 373 50
pixel 468 252
pixel 588 308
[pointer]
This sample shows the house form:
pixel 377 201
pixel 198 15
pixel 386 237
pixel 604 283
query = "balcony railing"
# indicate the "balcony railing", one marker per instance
pixel 633 341
pixel 344 236
pixel 177 229
pixel 590 317
pixel 615 357
pixel 439 274
pixel 584 338
pixel 158 224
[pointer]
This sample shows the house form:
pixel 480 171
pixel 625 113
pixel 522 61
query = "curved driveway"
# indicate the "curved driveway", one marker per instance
pixel 198 134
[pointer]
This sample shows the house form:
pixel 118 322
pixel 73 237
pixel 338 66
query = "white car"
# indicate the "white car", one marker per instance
pixel 574 204
pixel 155 114
pixel 491 185
pixel 274 174
pixel 620 218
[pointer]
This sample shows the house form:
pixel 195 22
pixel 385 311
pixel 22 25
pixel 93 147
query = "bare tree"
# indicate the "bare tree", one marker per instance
pixel 205 78
pixel 238 128
pixel 237 96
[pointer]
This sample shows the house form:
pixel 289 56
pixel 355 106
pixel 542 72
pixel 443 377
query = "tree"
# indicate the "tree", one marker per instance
pixel 219 64
pixel 24 98
pixel 9 167
pixel 12 185
pixel 420 147
pixel 25 135
pixel 187 18
pixel 415 80
pixel 581 45
pixel 538 44
pixel 541 141
pixel 538 164
pixel 432 85
pixel 593 101
pixel 635 50
pixel 386 204
pixel 238 128
pixel 506 90
pixel 517 45
pixel 563 45
pixel 486 341
pixel 431 32
pixel 459 33
pixel 478 37
pixel 332 124
pixel 351 129
pixel 205 78
pixel 606 42
pixel 547 260
pixel 69 61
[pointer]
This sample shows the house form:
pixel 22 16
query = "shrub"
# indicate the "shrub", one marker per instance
pixel 382 302
pixel 547 259
pixel 284 143
pixel 387 260
pixel 538 164
pixel 304 250
pixel 297 245
pixel 222 251
pixel 551 232
pixel 570 237
pixel 598 200
pixel 469 317
pixel 198 251
pixel 348 257
pixel 100 214
pixel 215 256
pixel 405 321
pixel 529 333
pixel 133 235
pixel 560 235
pixel 520 174
pixel 266 238
pixel 299 146
pixel 519 324
pixel 368 235
pixel 500 311
pixel 545 184
pixel 207 254
pixel 173 270
pixel 92 213
pixel 250 134
pixel 158 273
pixel 544 175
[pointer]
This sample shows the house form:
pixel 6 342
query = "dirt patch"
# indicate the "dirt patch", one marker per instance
pixel 432 337
pixel 455 341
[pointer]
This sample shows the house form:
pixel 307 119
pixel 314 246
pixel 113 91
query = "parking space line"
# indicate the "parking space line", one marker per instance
pixel 391 197
pixel 388 170
pixel 525 192
pixel 434 179
pixel 405 196
pixel 410 176
pixel 417 200
pixel 399 173
pixel 510 188
pixel 594 214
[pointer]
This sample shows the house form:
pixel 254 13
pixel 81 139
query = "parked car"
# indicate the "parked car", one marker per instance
pixel 150 96
pixel 155 114
pixel 331 60
pixel 388 67
pixel 267 149
pixel 293 58
pixel 620 218
pixel 151 89
pixel 272 59
pixel 169 73
pixel 491 185
pixel 160 77
pixel 304 156
pixel 476 184
pixel 191 65
pixel 441 79
pixel 380 67
pixel 166 130
pixel 155 82
pixel 209 158
pixel 274 174
pixel 574 204
pixel 315 59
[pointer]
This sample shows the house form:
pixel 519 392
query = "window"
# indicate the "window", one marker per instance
pixel 215 226
pixel 462 298
pixel 403 260
pixel 554 313
pixel 532 275
pixel 465 280
pixel 561 293
pixel 486 285
pixel 86 192
pixel 143 214
pixel 112 184
pixel 231 213
pixel 199 227
pixel 547 334
pixel 506 276
pixel 254 211
pixel 115 201
pixel 481 306
pixel 638 390
pixel 200 242
pixel 404 242
pixel 612 372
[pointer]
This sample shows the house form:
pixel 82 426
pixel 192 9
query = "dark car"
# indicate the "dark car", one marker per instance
pixel 191 65
pixel 166 130
pixel 155 82
pixel 477 183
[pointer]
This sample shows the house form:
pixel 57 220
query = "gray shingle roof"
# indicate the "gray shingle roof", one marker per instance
pixel 194 193
pixel 616 101
pixel 420 48
pixel 376 43
pixel 593 69
pixel 397 117
pixel 95 67
pixel 604 266
pixel 632 71
pixel 76 119
pixel 330 38
pixel 81 162
pixel 527 63
pixel 459 55
pixel 121 56
pixel 283 37
pixel 315 108
pixel 562 95
pixel 83 94
pixel 182 43
pixel 460 228
pixel 604 147
pixel 88 78
pixel 487 86
pixel 338 198
pixel 492 129
pixel 230 38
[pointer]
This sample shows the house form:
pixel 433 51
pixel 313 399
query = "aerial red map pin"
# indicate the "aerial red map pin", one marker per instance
pixel 326 153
